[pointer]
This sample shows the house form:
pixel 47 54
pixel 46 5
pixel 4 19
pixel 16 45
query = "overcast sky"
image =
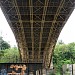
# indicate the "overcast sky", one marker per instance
pixel 67 34
pixel 5 30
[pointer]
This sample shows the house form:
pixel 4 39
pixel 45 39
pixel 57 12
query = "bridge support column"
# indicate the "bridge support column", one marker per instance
pixel 34 68
pixel 41 72
pixel 37 72
pixel 46 71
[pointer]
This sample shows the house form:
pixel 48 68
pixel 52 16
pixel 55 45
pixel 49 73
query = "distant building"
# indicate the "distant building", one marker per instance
pixel 68 69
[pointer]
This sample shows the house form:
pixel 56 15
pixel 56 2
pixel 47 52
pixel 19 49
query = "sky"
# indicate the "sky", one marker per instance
pixel 67 34
pixel 5 30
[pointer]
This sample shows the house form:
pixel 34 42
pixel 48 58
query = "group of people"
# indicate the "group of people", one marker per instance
pixel 20 68
pixel 15 69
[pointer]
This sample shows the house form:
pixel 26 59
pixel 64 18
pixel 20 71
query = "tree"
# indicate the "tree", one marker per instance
pixel 3 44
pixel 60 42
pixel 10 55
pixel 63 54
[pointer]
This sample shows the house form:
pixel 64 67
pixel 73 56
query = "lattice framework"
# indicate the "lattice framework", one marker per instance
pixel 36 25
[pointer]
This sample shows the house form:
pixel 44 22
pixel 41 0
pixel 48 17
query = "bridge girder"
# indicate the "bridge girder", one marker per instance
pixel 36 25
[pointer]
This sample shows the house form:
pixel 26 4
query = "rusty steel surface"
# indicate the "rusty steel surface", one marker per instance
pixel 36 25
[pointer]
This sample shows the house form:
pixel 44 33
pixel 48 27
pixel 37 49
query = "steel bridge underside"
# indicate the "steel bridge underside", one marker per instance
pixel 36 25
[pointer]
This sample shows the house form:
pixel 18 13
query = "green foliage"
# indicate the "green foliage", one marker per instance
pixel 3 44
pixel 10 55
pixel 63 54
pixel 52 74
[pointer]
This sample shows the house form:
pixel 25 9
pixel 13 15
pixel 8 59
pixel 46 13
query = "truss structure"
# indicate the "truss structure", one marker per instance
pixel 36 25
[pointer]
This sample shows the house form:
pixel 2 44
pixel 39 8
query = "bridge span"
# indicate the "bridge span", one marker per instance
pixel 36 25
